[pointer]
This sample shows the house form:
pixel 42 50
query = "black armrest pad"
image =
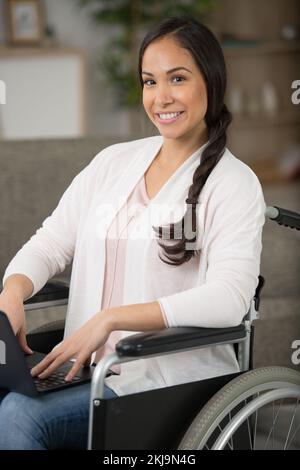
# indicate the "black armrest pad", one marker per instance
pixel 53 290
pixel 176 339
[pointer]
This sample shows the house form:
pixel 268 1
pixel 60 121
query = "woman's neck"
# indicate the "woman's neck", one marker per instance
pixel 175 151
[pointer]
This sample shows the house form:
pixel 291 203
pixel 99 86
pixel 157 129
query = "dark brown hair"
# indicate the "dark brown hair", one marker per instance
pixel 208 55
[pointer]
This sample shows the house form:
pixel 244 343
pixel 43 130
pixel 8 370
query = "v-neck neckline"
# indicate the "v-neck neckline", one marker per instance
pixel 174 174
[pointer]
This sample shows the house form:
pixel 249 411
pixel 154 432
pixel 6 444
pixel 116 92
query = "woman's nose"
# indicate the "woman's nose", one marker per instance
pixel 164 96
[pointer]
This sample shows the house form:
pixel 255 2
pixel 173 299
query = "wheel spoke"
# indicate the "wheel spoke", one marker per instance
pixel 274 422
pixel 231 440
pixel 273 434
pixel 255 427
pixel 249 433
pixel 297 428
pixel 229 445
pixel 291 425
pixel 252 437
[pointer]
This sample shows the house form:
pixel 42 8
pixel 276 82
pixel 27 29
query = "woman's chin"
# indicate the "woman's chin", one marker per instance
pixel 168 134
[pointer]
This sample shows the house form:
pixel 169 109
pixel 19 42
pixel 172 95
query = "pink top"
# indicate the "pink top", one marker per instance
pixel 115 261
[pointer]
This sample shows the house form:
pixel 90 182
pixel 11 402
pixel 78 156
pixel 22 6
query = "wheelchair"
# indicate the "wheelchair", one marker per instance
pixel 251 409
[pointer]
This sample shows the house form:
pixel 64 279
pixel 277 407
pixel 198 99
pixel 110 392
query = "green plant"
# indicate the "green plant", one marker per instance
pixel 134 17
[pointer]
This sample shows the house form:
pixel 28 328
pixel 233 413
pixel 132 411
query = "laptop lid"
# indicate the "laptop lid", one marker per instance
pixel 15 367
pixel 14 372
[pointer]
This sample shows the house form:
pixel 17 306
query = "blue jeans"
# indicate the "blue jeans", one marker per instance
pixel 51 421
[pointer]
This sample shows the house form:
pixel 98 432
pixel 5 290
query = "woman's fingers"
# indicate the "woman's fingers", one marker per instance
pixel 61 359
pixel 41 366
pixel 87 362
pixel 80 346
pixel 23 341
pixel 80 361
pixel 55 359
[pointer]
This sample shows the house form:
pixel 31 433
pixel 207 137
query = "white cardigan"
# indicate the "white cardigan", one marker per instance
pixel 215 288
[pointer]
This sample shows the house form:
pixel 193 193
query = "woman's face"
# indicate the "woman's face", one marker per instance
pixel 174 93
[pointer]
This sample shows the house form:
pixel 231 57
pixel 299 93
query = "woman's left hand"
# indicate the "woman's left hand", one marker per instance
pixel 90 337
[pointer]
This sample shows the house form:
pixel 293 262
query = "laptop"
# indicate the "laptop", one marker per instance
pixel 15 367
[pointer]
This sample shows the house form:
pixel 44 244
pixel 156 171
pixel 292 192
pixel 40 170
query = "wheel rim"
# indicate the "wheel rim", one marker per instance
pixel 222 407
pixel 252 409
pixel 243 398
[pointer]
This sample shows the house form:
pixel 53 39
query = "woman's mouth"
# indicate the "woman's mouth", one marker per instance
pixel 167 118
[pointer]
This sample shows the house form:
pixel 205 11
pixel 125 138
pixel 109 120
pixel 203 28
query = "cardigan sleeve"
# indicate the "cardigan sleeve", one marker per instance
pixel 51 248
pixel 234 219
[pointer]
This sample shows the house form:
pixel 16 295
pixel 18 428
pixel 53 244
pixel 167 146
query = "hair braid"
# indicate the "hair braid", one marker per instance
pixel 181 251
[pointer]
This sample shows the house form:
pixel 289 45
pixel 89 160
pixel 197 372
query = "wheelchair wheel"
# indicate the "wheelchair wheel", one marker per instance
pixel 257 410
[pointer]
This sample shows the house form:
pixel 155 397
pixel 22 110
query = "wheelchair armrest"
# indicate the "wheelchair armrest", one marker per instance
pixel 177 338
pixel 54 293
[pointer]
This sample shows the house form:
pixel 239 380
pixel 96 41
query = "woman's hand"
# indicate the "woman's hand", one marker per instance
pixel 90 337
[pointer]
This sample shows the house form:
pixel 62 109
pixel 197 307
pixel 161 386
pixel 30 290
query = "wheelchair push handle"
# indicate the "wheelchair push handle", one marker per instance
pixel 283 217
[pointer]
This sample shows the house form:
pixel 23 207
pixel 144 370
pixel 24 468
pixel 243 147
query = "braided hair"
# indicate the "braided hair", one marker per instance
pixel 208 55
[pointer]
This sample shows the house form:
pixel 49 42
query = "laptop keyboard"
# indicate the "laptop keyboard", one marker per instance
pixel 58 378
pixel 55 379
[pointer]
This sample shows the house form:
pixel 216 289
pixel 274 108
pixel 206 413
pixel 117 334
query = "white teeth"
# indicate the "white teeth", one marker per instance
pixel 169 115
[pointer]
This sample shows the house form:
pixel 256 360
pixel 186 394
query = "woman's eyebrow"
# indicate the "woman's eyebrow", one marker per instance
pixel 175 69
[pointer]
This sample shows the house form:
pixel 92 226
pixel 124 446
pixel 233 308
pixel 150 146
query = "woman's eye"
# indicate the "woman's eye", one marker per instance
pixel 148 82
pixel 178 79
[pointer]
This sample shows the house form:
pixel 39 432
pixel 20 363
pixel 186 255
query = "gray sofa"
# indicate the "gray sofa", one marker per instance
pixel 34 175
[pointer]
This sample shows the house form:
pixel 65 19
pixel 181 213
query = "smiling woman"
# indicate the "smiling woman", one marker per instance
pixel 175 100
pixel 120 285
pixel 174 94
pixel 184 98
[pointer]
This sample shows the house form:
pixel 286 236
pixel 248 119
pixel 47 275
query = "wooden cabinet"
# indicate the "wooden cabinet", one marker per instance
pixel 256 131
pixel 259 60
pixel 45 93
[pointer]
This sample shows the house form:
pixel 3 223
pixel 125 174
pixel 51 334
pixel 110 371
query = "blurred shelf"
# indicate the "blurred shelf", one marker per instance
pixel 7 52
pixel 264 48
pixel 269 171
pixel 258 120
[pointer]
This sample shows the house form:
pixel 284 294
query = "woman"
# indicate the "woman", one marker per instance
pixel 198 267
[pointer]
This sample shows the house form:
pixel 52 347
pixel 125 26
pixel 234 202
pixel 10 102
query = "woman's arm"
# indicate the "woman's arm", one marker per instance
pixel 232 249
pixel 19 285
pixel 136 317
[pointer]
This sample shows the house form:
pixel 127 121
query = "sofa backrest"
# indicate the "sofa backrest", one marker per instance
pixel 33 177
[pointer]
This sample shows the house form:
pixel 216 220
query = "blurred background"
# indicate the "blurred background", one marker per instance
pixel 69 87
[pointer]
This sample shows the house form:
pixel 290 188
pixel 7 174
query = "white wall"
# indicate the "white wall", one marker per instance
pixel 74 28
